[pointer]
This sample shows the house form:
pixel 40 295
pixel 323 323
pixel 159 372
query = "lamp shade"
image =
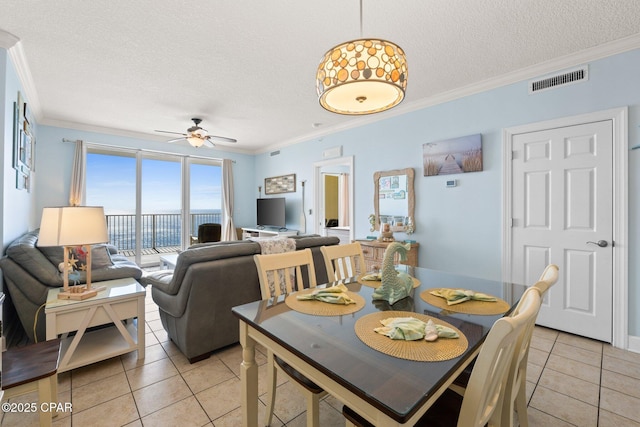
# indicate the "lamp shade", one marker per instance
pixel 362 77
pixel 73 226
pixel 195 141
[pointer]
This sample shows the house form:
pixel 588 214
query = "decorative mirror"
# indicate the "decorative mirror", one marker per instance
pixel 394 200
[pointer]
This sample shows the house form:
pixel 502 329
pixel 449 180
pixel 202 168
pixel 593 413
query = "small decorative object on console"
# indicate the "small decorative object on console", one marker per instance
pixel 386 235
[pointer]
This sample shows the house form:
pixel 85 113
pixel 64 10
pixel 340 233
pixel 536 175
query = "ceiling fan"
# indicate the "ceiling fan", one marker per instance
pixel 197 136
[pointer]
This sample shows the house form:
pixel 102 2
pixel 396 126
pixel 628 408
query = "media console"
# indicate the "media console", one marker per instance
pixel 248 233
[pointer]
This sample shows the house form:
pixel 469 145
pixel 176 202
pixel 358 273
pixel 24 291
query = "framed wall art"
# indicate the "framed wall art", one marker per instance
pixel 280 184
pixel 456 155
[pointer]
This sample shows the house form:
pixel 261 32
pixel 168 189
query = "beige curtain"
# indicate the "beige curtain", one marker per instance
pixel 78 175
pixel 343 201
pixel 228 228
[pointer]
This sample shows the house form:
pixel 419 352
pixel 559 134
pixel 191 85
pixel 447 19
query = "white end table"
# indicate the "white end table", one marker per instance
pixel 122 300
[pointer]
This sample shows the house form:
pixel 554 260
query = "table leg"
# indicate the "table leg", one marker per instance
pixel 249 378
pixel 141 328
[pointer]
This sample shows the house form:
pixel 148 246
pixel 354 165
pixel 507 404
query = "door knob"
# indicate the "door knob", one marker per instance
pixel 601 243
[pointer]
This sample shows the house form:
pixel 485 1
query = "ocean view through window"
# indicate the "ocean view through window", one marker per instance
pixel 111 182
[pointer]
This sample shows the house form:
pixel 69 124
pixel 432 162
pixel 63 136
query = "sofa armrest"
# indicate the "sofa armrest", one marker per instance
pixel 158 279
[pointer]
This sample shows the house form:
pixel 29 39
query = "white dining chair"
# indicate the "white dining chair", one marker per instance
pixel 516 391
pixel 277 269
pixel 343 261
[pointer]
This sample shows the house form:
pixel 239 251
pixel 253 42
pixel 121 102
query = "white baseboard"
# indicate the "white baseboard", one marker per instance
pixel 634 344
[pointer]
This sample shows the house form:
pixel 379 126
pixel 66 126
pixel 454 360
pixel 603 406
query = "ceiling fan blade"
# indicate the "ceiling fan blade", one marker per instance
pixel 176 140
pixel 174 133
pixel 208 143
pixel 222 138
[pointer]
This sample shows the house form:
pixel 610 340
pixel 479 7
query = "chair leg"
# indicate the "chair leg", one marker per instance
pixel 45 395
pixel 521 405
pixel 313 409
pixel 272 376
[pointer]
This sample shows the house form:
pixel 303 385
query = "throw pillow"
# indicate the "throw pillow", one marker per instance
pixel 100 257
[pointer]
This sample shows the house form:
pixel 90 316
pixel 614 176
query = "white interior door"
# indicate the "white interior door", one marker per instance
pixel 562 207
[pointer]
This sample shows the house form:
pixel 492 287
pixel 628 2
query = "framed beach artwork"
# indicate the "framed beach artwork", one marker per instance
pixel 450 156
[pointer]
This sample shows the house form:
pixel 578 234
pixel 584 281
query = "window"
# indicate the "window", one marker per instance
pixel 143 197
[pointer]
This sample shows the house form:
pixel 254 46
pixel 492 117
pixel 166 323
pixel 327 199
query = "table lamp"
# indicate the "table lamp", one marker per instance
pixel 70 226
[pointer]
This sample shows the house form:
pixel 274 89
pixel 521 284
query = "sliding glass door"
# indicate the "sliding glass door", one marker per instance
pixel 111 182
pixel 161 207
pixel 154 202
pixel 205 194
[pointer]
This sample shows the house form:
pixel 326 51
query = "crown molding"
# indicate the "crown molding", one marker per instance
pixel 578 58
pixel 19 60
pixel 7 40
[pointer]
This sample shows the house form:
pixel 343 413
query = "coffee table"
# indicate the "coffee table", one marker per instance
pixel 118 304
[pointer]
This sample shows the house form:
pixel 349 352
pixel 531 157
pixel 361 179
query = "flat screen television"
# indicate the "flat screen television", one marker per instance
pixel 271 212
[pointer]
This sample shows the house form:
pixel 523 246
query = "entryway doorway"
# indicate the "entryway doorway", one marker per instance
pixel 336 216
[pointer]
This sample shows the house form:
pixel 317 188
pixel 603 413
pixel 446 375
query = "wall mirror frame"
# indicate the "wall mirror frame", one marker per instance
pixel 410 195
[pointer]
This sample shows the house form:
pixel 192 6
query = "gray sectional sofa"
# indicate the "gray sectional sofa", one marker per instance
pixel 30 271
pixel 196 298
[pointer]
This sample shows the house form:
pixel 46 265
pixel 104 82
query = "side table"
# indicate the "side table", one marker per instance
pixel 118 304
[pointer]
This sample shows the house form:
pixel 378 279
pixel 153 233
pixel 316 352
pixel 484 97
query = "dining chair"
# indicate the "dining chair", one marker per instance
pixel 274 272
pixel 343 261
pixel 484 394
pixel 547 279
pixel 515 390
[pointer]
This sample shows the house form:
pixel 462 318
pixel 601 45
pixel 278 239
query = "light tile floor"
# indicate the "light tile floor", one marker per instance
pixel 571 381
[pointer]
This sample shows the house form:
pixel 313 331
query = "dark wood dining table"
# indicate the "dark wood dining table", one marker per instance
pixel 384 389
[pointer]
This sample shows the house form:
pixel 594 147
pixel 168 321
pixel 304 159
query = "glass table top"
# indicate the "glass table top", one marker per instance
pixel 396 386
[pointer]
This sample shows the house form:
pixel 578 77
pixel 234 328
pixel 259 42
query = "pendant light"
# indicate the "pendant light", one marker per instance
pixel 362 76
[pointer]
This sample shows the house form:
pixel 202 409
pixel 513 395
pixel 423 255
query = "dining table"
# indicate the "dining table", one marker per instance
pixel 383 380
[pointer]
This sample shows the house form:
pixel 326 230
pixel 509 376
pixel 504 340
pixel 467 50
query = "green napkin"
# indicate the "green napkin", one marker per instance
pixel 456 296
pixel 372 276
pixel 411 329
pixel 333 295
pixel 402 328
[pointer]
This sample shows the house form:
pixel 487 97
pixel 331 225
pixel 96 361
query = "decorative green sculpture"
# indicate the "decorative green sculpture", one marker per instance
pixel 395 285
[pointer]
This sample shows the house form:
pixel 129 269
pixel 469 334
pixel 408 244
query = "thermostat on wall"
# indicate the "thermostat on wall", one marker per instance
pixel 452 183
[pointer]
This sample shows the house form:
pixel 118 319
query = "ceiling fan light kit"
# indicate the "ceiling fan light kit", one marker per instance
pixel 197 136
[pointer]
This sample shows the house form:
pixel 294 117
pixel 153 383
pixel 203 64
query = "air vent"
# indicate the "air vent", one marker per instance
pixel 569 77
pixel 275 153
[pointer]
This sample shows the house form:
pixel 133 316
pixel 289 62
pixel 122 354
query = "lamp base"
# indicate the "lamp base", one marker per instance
pixel 80 292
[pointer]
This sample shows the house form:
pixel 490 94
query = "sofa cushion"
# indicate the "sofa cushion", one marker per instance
pixel 100 256
pixel 24 253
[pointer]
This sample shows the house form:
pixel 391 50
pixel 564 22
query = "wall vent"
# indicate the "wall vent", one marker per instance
pixel 274 153
pixel 566 78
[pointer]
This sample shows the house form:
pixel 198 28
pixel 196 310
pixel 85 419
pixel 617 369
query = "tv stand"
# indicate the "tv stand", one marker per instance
pixel 248 233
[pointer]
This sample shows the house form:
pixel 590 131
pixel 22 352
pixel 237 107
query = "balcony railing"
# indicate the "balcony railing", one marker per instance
pixel 158 230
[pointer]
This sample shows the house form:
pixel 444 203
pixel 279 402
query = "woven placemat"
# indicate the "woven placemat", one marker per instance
pixel 375 284
pixel 486 308
pixel 419 350
pixel 319 308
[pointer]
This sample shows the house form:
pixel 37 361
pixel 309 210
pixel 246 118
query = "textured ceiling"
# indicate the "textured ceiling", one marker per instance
pixel 248 67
